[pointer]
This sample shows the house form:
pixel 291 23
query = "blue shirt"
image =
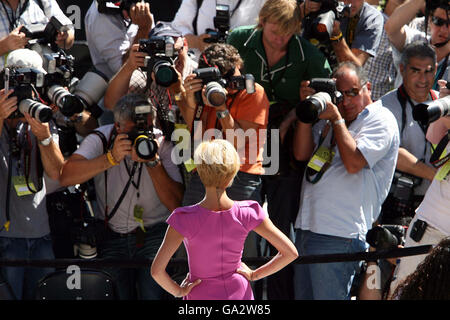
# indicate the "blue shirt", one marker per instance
pixel 343 204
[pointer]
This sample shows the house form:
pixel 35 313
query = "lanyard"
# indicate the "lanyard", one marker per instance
pixel 14 19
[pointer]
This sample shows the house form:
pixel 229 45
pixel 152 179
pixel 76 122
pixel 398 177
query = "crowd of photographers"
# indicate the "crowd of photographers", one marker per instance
pixel 338 110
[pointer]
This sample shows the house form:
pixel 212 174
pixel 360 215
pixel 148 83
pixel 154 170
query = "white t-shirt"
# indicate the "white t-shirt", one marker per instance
pixel 154 211
pixel 435 207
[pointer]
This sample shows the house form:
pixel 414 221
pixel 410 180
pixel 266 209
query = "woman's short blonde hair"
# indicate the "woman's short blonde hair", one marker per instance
pixel 217 163
pixel 284 13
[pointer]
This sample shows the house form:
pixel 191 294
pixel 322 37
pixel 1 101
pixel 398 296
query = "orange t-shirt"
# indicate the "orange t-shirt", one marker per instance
pixel 252 108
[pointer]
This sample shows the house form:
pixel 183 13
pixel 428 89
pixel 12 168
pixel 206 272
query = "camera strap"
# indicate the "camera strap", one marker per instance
pixel 106 145
pixel 321 158
pixel 27 165
pixel 435 159
pixel 351 29
pixel 13 19
pixel 404 98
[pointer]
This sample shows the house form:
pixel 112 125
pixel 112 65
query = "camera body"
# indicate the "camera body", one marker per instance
pixel 216 84
pixel 222 25
pixel 425 113
pixel 25 82
pixel 44 33
pixel 141 136
pixel 59 67
pixel 308 111
pixel 115 7
pixel 319 25
pixel 385 237
pixel 162 53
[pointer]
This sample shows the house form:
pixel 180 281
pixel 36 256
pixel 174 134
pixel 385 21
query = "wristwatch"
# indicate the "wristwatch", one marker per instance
pixel 46 141
pixel 222 114
pixel 152 163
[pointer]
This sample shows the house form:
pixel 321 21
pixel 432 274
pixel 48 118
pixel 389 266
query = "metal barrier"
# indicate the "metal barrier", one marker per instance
pixel 253 261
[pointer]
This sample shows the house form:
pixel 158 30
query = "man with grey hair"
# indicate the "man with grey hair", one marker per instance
pixel 418 68
pixel 136 190
pixel 352 153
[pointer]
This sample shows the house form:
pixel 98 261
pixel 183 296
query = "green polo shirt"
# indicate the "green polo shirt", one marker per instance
pixel 302 62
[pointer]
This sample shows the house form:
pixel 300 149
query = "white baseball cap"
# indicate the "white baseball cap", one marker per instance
pixel 25 58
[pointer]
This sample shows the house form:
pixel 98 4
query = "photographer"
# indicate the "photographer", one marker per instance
pixel 133 76
pixel 14 14
pixel 431 222
pixel 280 60
pixel 400 34
pixel 135 192
pixel 110 34
pixel 352 153
pixel 414 171
pixel 29 152
pixel 353 37
pixel 195 18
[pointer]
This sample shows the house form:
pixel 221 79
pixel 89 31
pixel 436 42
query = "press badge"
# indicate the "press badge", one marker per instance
pixel 322 156
pixel 443 172
pixel 138 213
pixel 20 184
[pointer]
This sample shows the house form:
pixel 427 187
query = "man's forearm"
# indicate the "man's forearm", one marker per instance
pixel 79 170
pixel 401 16
pixel 169 192
pixel 118 86
pixel 408 163
pixel 52 160
pixel 344 53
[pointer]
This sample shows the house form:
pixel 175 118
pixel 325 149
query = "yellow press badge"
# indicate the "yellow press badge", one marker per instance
pixel 443 172
pixel 20 184
pixel 322 156
pixel 138 213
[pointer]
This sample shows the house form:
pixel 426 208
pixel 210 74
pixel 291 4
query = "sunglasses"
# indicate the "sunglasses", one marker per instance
pixel 353 92
pixel 439 22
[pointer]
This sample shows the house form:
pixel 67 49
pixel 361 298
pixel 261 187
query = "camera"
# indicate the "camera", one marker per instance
pixel 385 237
pixel 222 25
pixel 141 136
pixel 44 33
pixel 319 25
pixel 115 7
pixel 308 111
pixel 403 185
pixel 59 67
pixel 161 51
pixel 84 234
pixel 215 85
pixel 424 113
pixel 85 95
pixel 25 82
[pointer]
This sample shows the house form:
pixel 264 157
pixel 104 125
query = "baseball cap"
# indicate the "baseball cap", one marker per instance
pixel 25 58
pixel 164 29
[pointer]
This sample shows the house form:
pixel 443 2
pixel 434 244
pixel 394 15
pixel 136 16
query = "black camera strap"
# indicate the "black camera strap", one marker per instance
pixel 404 98
pixel 435 157
pixel 106 145
pixel 309 172
pixel 27 165
pixel 13 18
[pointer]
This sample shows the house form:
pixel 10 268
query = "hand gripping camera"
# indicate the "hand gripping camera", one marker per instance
pixel 385 237
pixel 215 84
pixel 115 7
pixel 25 82
pixel 44 33
pixel 141 136
pixel 308 111
pixel 222 25
pixel 162 53
pixel 319 25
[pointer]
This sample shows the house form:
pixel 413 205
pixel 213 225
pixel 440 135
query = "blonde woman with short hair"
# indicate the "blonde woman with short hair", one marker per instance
pixel 214 231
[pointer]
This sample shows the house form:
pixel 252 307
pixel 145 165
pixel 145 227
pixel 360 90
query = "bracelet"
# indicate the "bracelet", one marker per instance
pixel 336 38
pixel 111 159
pixel 342 120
